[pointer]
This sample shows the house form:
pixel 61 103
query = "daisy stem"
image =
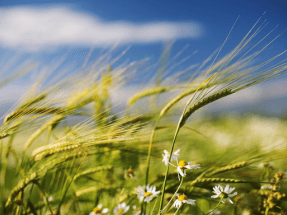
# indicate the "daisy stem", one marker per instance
pixel 149 150
pixel 177 210
pixel 167 168
pixel 149 155
pixel 154 206
pixel 179 125
pixel 216 206
pixel 267 210
pixel 173 194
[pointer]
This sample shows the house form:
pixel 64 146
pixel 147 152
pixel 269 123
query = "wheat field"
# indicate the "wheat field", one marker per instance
pixel 65 150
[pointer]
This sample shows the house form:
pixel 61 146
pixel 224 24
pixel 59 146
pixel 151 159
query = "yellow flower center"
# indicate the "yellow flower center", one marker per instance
pixel 138 208
pixel 182 197
pixel 223 195
pixel 121 211
pixel 130 172
pixel 147 194
pixel 182 164
pixel 97 210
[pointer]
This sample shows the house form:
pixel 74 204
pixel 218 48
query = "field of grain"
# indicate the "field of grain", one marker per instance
pixel 65 150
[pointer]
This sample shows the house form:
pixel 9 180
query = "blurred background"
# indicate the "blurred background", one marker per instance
pixel 71 34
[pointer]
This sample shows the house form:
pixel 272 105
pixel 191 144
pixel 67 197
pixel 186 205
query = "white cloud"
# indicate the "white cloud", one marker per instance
pixel 34 28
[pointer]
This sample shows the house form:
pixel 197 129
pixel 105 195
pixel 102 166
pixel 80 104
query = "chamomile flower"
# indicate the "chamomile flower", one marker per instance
pixel 224 194
pixel 183 165
pixel 98 210
pixel 148 195
pixel 215 212
pixel 137 210
pixel 166 156
pixel 121 208
pixel 182 199
pixel 266 187
pixel 130 173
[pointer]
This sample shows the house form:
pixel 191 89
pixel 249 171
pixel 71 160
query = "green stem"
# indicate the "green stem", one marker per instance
pixel 177 210
pixel 167 168
pixel 149 151
pixel 45 196
pixel 154 206
pixel 267 210
pixel 64 196
pixel 216 206
pixel 173 194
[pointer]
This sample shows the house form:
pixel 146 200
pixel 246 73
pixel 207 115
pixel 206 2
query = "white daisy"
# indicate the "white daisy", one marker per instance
pixel 99 210
pixel 182 199
pixel 121 208
pixel 183 165
pixel 148 195
pixel 166 156
pixel 224 194
pixel 266 187
pixel 130 173
pixel 137 210
pixel 215 212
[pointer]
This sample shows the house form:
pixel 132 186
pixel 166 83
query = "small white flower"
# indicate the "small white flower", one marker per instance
pixel 137 210
pixel 148 195
pixel 121 208
pixel 215 212
pixel 130 173
pixel 98 210
pixel 182 199
pixel 50 199
pixel 183 165
pixel 166 156
pixel 225 194
pixel 266 187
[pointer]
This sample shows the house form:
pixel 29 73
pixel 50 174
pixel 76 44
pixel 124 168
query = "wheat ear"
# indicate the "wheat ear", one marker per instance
pixel 229 167
pixel 3 135
pixel 183 95
pixel 204 102
pixel 42 129
pixel 93 170
pixel 146 93
pixel 208 180
pixel 22 184
pixel 26 111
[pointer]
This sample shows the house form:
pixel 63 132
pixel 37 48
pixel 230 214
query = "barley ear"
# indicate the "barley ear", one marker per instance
pixel 204 102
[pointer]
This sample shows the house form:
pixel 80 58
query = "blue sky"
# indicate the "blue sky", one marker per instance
pixel 207 23
pixel 49 29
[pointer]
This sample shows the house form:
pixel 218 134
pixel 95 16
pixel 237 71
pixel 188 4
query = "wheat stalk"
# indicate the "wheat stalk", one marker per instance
pixel 147 93
pixel 21 185
pixel 93 170
pixel 228 168
pixel 26 111
pixel 213 180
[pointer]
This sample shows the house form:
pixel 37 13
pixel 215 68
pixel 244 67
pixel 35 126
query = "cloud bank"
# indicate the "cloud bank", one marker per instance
pixel 34 28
